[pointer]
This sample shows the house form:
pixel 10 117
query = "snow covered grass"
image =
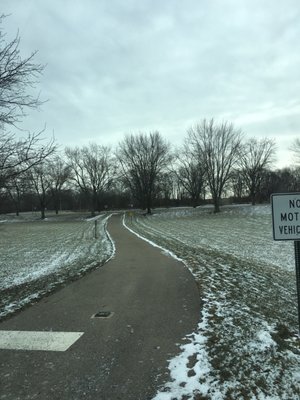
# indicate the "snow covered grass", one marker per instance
pixel 246 345
pixel 37 256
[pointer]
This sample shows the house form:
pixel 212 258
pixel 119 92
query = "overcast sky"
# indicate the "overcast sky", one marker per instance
pixel 125 66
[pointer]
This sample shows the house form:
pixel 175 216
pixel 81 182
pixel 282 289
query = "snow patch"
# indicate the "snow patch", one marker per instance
pixel 60 251
pixel 248 290
pixel 164 251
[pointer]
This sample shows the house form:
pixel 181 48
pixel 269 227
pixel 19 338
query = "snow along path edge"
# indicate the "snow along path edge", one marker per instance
pixel 164 251
pixel 113 245
pixel 180 373
pixel 204 379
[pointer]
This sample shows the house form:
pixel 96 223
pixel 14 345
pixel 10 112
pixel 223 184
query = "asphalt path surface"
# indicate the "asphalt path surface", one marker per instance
pixel 154 303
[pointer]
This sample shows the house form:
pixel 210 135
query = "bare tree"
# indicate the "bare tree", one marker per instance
pixel 295 148
pixel 59 174
pixel 279 181
pixel 39 179
pixel 18 156
pixel 288 180
pixel 165 188
pixel 143 158
pixel 238 184
pixel 218 147
pixel 17 75
pixel 190 172
pixel 255 157
pixel 15 188
pixel 92 169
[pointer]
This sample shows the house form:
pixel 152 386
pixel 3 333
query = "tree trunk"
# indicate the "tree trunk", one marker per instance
pixel 43 216
pixel 253 198
pixel 216 204
pixel 148 203
pixel 94 203
pixel 17 206
pixel 56 204
pixel 195 201
pixel 43 207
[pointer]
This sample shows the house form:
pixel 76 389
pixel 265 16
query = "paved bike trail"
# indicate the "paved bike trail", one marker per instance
pixel 155 303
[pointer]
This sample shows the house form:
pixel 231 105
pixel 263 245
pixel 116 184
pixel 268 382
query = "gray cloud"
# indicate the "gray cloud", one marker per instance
pixel 116 67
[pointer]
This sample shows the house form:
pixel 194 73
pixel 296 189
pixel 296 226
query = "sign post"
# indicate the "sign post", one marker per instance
pixel 297 260
pixel 95 229
pixel 286 226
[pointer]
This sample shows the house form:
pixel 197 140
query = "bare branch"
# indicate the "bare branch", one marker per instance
pixel 218 146
pixel 295 148
pixel 190 172
pixel 255 158
pixel 18 156
pixel 17 75
pixel 92 169
pixel 143 158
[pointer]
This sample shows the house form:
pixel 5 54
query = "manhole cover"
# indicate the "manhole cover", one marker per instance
pixel 103 314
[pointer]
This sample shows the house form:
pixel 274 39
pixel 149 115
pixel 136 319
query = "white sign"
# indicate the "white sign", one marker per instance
pixel 286 216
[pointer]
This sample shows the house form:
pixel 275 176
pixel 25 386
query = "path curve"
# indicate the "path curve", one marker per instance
pixel 155 303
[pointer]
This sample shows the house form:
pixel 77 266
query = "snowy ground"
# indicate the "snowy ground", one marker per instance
pixel 38 256
pixel 246 345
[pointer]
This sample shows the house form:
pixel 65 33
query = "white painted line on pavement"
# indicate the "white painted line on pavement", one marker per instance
pixel 44 341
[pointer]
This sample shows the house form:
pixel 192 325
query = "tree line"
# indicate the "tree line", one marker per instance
pixel 215 160
pixel 144 171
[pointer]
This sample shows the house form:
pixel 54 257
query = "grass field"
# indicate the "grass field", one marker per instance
pixel 246 345
pixel 38 256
